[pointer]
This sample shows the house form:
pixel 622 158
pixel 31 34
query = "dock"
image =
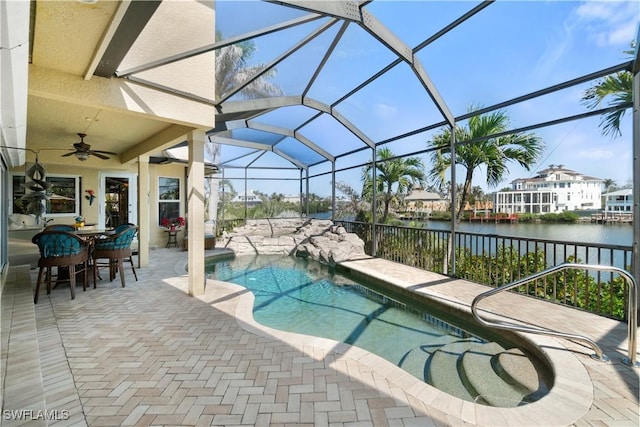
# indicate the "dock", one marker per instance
pixel 601 218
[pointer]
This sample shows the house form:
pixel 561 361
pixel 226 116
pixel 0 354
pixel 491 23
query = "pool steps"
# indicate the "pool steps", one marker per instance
pixel 444 366
pixel 479 371
pixel 476 371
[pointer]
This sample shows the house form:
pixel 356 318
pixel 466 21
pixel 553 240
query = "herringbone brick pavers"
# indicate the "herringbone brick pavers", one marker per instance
pixel 148 354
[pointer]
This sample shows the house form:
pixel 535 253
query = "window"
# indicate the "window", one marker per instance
pixel 64 195
pixel 17 191
pixel 168 199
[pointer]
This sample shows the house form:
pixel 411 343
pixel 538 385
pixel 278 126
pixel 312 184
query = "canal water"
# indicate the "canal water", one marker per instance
pixel 582 232
pixel 611 234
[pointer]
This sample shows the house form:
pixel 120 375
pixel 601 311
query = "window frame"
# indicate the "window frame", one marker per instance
pixel 162 201
pixel 77 196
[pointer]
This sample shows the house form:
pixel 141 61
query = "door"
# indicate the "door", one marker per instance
pixel 118 199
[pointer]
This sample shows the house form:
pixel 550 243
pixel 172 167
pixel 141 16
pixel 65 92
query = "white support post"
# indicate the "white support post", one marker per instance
pixel 144 211
pixel 195 212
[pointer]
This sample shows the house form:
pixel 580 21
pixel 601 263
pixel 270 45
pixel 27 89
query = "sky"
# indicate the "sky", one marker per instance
pixel 509 49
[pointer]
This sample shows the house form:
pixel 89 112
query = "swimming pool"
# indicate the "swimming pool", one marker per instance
pixel 306 297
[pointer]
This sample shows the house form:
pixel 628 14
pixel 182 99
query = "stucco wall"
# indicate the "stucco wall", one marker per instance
pixel 90 180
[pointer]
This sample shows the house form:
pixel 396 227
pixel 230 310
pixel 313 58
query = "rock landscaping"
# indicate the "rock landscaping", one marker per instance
pixel 320 240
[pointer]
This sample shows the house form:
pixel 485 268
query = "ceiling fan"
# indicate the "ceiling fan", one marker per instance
pixel 82 150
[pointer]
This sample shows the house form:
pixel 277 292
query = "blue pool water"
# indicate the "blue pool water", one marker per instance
pixel 305 297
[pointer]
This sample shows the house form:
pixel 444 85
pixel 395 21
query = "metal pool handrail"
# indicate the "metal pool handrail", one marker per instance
pixel 632 310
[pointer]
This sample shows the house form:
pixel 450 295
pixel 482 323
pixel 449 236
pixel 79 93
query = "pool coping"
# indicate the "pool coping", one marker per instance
pixel 569 399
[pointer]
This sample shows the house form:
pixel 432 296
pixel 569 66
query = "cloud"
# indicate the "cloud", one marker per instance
pixel 602 23
pixel 597 154
pixel 556 49
pixel 609 23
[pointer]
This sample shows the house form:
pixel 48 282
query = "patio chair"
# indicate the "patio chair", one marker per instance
pixel 134 250
pixel 61 249
pixel 115 248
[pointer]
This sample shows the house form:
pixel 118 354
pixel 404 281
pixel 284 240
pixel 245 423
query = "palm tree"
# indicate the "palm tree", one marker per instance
pixel 395 177
pixel 232 71
pixel 354 204
pixel 491 152
pixel 610 185
pixel 226 193
pixel 617 89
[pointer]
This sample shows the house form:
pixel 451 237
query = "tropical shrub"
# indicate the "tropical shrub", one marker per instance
pixel 527 217
pixel 560 217
pixel 575 288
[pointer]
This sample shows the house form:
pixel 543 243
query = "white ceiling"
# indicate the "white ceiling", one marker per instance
pixel 68 40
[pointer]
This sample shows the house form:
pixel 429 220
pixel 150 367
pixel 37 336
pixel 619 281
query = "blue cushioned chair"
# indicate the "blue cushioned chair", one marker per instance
pixel 61 249
pixel 115 248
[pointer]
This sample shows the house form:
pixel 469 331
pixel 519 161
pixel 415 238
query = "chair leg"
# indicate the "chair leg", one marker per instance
pixel 95 272
pixel 40 272
pixel 121 268
pixel 112 269
pixel 72 280
pixel 133 268
pixel 48 278
pixel 85 265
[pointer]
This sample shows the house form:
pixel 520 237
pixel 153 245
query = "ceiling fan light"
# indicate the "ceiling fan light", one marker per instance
pixel 82 156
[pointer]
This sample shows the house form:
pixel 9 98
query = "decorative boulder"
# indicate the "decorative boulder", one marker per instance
pixel 320 240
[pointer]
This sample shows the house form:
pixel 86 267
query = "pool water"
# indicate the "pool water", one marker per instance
pixel 305 297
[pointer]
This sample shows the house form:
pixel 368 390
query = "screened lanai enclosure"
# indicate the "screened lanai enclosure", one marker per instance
pixel 314 88
pixel 309 92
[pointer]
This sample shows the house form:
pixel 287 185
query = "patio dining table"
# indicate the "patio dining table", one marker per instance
pixel 93 233
pixel 90 235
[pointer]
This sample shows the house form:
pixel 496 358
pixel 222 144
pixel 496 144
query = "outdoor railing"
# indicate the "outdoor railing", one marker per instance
pixel 495 260
pixel 632 313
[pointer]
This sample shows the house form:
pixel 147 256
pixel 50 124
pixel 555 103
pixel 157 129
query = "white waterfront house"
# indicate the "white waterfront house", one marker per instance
pixel 554 189
pixel 618 202
pixel 251 199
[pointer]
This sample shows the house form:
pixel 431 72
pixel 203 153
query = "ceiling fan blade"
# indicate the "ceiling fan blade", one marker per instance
pixel 104 152
pixel 69 154
pixel 93 153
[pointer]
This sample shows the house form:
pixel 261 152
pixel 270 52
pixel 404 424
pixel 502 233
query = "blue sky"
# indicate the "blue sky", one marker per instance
pixel 509 49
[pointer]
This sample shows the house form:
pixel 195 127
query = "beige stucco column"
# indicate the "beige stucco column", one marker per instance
pixel 144 213
pixel 195 211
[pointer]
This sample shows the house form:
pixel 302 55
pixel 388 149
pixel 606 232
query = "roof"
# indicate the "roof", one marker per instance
pixel 623 192
pixel 423 195
pixel 543 174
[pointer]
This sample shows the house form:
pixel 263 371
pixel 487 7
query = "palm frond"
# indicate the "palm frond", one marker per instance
pixel 616 90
